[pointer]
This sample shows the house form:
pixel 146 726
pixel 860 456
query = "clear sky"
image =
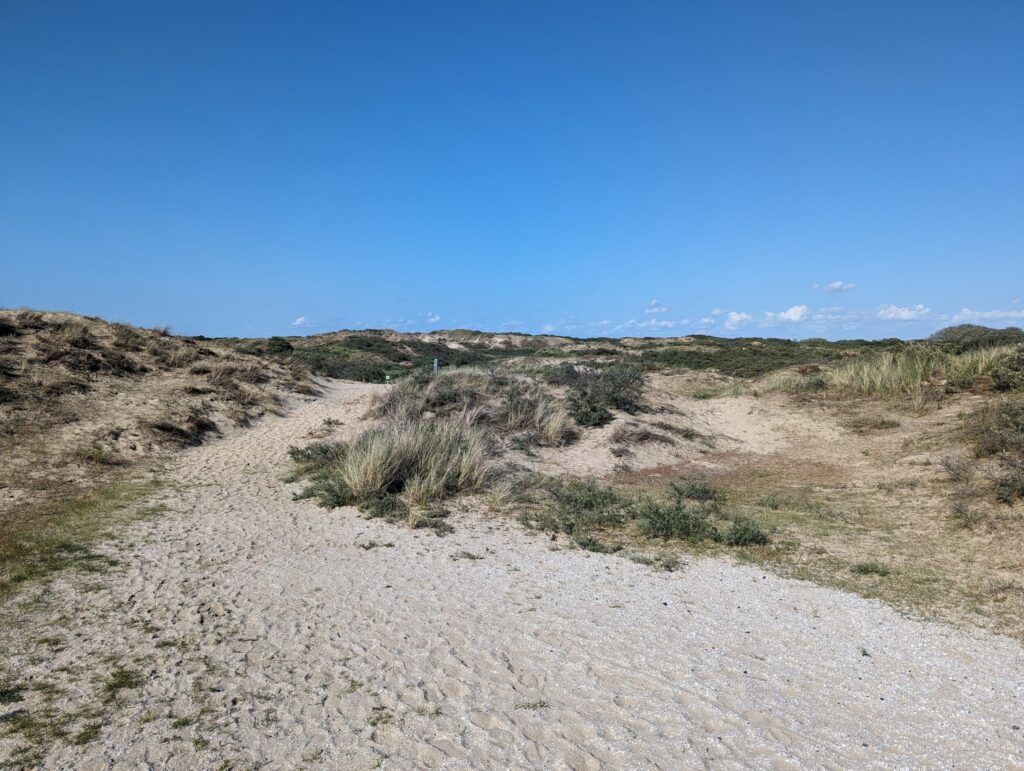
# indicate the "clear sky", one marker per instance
pixel 790 169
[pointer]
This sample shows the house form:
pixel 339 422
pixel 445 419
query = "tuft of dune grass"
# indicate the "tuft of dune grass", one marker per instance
pixel 917 373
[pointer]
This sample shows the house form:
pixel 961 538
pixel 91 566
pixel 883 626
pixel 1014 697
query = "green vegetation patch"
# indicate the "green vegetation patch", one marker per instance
pixel 39 540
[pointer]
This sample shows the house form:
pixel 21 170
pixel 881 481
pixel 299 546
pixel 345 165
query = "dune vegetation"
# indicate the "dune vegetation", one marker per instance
pixel 89 411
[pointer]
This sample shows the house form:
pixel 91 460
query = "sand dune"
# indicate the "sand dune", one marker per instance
pixel 269 634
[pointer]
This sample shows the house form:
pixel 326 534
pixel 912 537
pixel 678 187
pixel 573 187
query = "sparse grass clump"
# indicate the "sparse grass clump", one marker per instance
pixel 871 568
pixel 98 454
pixel 638 433
pixel 863 424
pixel 119 680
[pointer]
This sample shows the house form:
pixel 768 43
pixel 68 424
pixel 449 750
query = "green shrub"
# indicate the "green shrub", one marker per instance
pixel 576 507
pixel 1008 373
pixel 695 490
pixel 318 455
pixel 389 507
pixel 674 519
pixel 587 408
pixel 329 491
pixel 621 386
pixel 744 531
pixel 277 346
pixel 965 337
pixel 595 390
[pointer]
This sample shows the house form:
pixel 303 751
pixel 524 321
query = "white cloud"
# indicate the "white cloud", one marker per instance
pixel 705 322
pixel 717 312
pixel 648 324
pixel 432 318
pixel 966 314
pixel 794 314
pixel 895 313
pixel 655 307
pixel 834 313
pixel 735 319
pixel 301 321
pixel 836 286
pixel 547 328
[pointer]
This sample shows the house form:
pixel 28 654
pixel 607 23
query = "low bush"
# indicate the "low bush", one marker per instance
pixel 594 390
pixel 587 408
pixel 386 506
pixel 997 431
pixel 1008 373
pixel 965 337
pixel 997 428
pixel 675 519
pixel 695 490
pixel 580 506
pixel 277 346
pixel 744 531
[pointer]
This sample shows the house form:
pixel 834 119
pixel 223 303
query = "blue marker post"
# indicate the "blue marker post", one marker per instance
pixel 435 365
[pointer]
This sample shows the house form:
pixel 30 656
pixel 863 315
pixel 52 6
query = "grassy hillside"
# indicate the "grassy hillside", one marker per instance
pixel 371 355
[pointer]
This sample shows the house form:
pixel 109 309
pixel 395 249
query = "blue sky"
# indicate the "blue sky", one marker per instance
pixel 789 169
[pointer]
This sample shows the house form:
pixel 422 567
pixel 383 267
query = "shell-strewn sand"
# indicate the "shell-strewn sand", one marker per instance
pixel 294 646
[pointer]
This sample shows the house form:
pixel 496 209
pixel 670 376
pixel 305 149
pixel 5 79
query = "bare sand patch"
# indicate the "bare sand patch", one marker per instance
pixel 268 631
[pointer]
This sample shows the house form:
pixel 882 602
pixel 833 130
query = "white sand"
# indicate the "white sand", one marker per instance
pixel 294 634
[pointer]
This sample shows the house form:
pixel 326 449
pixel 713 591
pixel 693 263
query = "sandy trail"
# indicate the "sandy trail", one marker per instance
pixel 269 636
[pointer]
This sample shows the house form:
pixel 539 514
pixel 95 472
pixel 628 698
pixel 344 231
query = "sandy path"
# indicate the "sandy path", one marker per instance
pixel 291 646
